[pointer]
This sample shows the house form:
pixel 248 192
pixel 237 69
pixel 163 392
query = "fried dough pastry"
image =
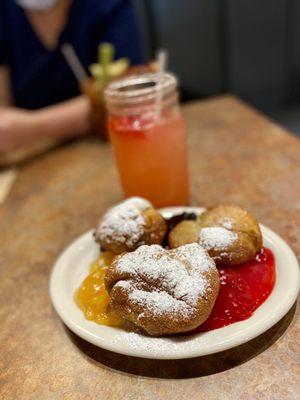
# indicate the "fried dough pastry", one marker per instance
pixel 164 292
pixel 230 234
pixel 130 224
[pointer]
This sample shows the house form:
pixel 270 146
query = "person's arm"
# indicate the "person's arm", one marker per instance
pixel 67 119
pixel 21 127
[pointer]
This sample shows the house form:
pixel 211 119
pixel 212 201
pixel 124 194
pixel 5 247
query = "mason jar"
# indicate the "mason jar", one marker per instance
pixel 148 135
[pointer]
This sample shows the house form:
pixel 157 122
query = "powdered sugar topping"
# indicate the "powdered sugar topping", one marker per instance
pixel 227 223
pixel 217 238
pixel 124 223
pixel 162 281
pixel 138 342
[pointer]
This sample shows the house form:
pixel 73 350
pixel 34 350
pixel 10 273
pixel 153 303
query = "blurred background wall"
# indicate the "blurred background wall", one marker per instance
pixel 247 47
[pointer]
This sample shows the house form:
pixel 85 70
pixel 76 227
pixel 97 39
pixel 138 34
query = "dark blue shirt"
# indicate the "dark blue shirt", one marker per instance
pixel 40 77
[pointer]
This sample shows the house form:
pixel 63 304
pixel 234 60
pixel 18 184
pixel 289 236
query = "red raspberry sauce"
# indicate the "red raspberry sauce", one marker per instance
pixel 243 288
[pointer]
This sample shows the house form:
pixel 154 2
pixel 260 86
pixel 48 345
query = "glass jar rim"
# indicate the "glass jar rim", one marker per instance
pixel 138 88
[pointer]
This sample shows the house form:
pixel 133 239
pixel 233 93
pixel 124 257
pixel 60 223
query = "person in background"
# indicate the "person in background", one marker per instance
pixel 39 96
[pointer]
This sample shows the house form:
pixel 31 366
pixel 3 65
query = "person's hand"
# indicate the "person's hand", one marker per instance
pixel 17 128
pixel 21 129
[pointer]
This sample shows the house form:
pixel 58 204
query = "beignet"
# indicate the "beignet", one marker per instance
pixel 129 225
pixel 230 234
pixel 164 292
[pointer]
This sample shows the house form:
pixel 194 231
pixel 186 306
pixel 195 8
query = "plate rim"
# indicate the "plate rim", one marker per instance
pixel 217 347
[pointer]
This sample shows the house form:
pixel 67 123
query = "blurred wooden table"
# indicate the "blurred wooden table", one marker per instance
pixel 236 156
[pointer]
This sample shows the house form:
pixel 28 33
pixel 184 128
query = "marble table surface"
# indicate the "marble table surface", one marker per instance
pixel 236 156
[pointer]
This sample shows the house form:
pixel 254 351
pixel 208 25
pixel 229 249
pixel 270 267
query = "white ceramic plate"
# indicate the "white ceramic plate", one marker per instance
pixel 73 264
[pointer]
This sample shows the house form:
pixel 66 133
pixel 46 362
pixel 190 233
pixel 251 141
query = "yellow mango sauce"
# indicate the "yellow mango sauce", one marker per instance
pixel 91 296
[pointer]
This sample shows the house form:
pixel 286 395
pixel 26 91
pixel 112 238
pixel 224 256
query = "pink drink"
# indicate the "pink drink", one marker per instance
pixel 151 152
